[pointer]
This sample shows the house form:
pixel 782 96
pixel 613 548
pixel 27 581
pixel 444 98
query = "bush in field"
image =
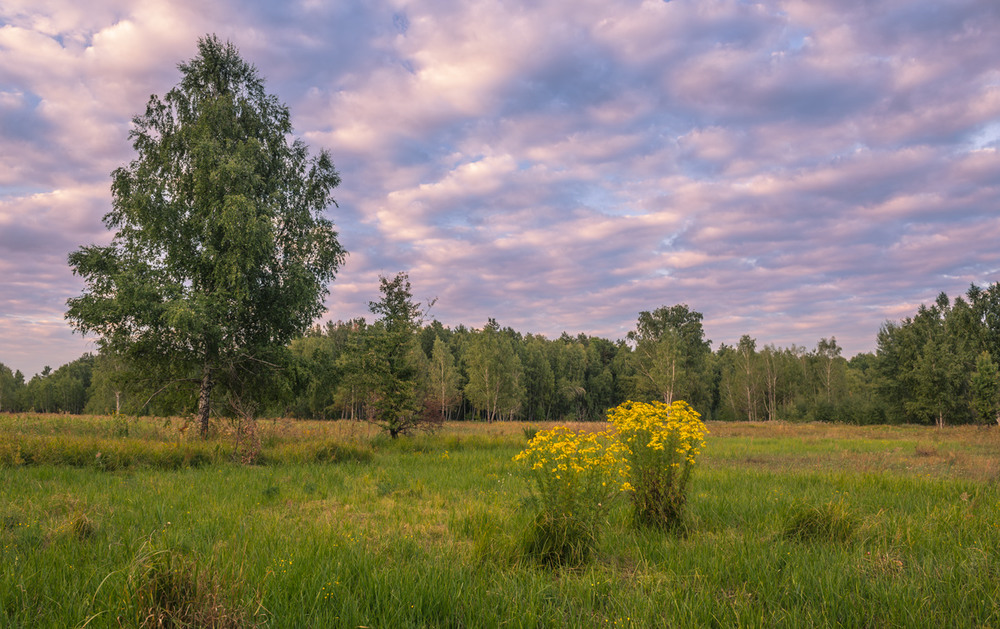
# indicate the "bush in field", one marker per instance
pixel 576 475
pixel 660 443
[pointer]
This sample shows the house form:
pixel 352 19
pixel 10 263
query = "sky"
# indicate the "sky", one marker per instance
pixel 792 170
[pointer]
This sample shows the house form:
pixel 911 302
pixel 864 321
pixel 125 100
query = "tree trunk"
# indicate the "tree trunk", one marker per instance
pixel 204 400
pixel 751 416
pixel 443 387
pixel 829 381
pixel 673 380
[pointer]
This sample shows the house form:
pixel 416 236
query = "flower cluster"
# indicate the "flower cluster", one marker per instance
pixel 576 475
pixel 572 467
pixel 661 443
pixel 674 428
pixel 649 454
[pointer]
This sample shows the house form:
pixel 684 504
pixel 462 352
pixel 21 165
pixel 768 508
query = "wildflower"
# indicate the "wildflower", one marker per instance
pixel 661 443
pixel 574 479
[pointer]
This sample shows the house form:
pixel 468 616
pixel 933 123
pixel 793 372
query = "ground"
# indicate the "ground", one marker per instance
pixel 111 522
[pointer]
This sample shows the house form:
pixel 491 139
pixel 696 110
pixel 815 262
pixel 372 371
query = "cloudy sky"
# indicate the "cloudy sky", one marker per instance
pixel 791 169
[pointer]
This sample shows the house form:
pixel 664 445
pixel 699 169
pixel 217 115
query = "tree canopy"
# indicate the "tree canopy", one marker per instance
pixel 670 353
pixel 222 252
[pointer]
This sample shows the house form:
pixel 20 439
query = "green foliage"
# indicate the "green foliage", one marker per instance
pixel 443 380
pixel 222 251
pixel 328 373
pixel 937 377
pixel 61 391
pixel 794 384
pixel 325 370
pixel 780 374
pixel 927 365
pixel 495 385
pixel 539 380
pixel 671 354
pixel 985 387
pixel 934 367
pixel 828 368
pixel 742 379
pixel 355 392
pixel 119 385
pixel 9 389
pixel 391 352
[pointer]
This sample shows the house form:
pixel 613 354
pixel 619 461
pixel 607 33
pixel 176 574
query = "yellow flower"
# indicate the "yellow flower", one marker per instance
pixel 658 441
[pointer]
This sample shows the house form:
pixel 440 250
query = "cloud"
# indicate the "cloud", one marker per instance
pixel 793 170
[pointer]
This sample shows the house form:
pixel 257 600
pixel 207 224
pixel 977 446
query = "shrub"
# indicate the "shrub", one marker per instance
pixel 576 475
pixel 830 522
pixel 661 443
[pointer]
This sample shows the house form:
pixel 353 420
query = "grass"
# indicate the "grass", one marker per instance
pixel 788 526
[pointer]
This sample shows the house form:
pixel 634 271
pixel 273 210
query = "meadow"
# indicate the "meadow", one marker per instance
pixel 112 522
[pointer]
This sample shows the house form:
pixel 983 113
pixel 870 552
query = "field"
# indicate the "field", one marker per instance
pixel 109 522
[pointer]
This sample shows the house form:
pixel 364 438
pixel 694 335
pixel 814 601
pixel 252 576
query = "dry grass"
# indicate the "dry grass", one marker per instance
pixel 963 452
pixel 957 452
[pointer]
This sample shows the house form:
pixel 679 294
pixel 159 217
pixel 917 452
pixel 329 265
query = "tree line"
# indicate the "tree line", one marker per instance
pixel 939 366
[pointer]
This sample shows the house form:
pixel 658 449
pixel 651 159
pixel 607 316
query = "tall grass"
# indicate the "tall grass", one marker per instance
pixel 424 532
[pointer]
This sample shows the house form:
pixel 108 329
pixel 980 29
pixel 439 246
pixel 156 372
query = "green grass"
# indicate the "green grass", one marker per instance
pixel 788 526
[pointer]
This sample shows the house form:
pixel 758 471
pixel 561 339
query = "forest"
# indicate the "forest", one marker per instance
pixel 939 366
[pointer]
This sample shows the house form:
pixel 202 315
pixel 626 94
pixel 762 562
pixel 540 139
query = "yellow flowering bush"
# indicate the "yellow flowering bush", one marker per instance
pixel 661 443
pixel 576 475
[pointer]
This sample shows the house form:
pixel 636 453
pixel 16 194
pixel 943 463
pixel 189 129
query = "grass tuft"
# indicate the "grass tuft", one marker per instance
pixel 171 590
pixel 881 565
pixel 558 540
pixel 491 534
pixel 829 522
pixel 82 527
